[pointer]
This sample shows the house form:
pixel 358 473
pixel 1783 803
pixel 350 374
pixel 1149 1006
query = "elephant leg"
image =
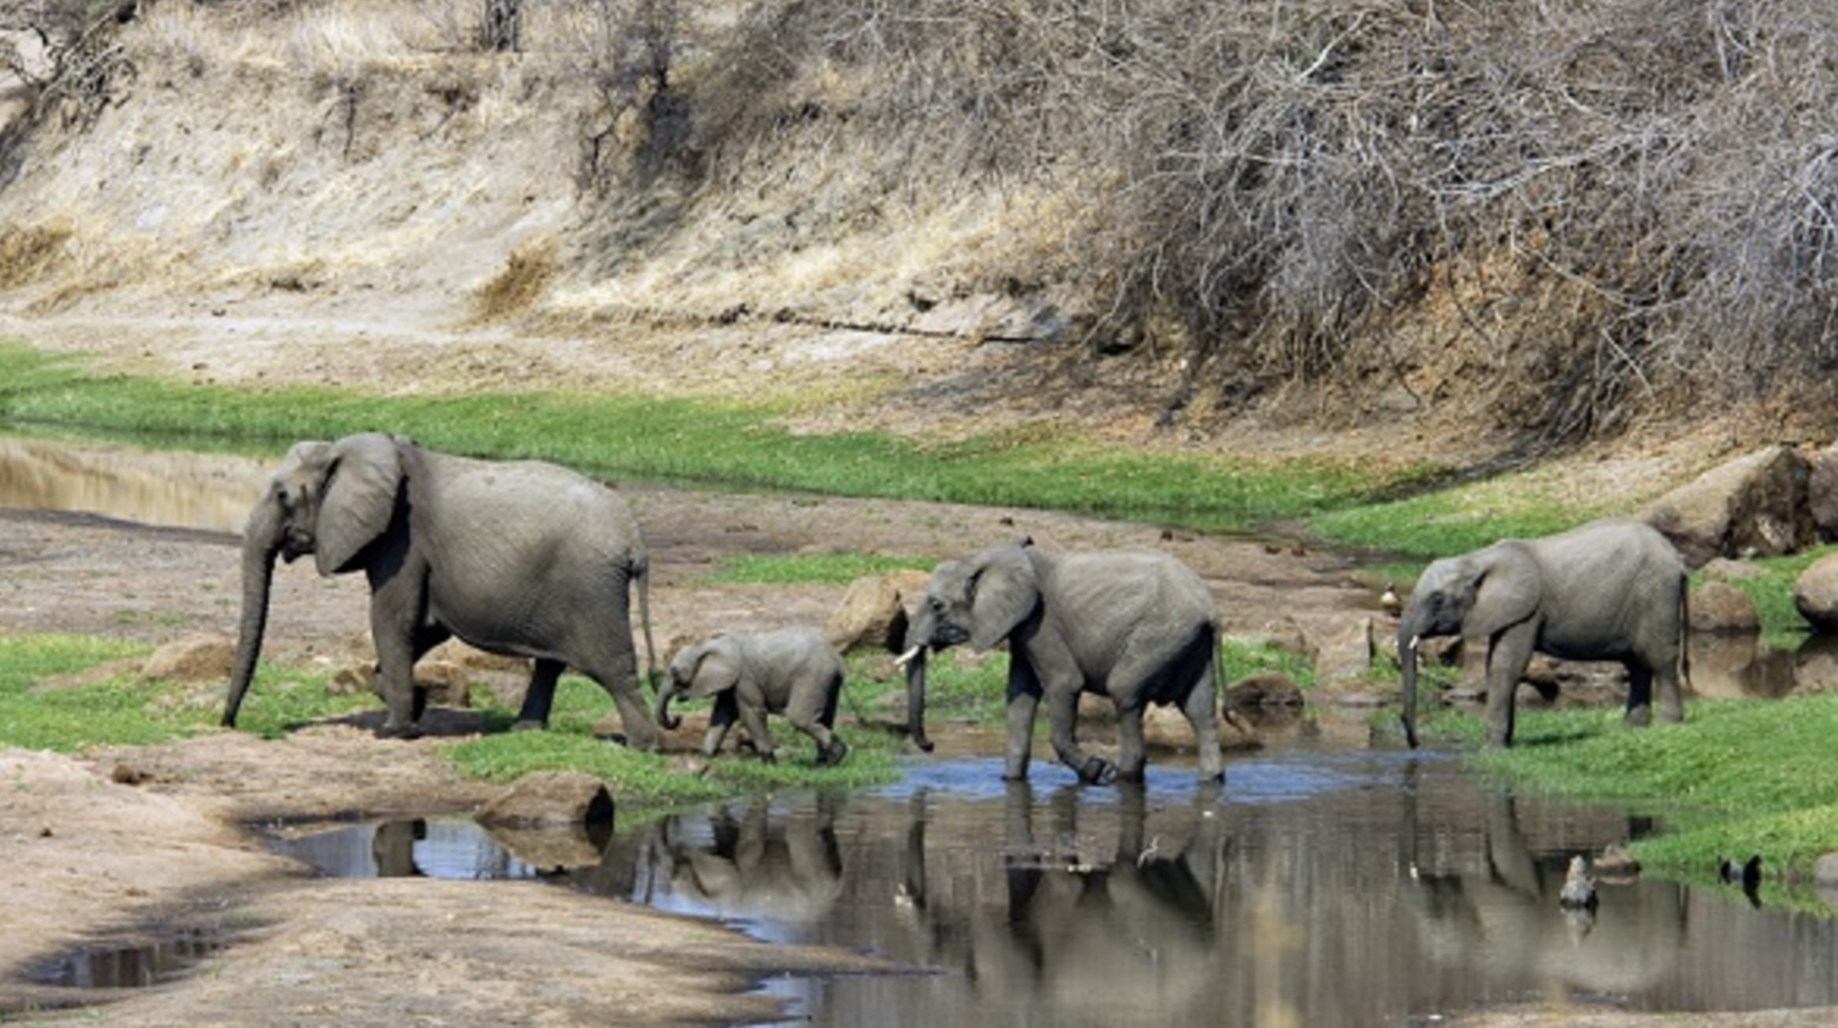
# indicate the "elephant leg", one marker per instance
pixel 615 667
pixel 812 724
pixel 1062 721
pixel 1202 710
pixel 753 718
pixel 1132 750
pixel 429 637
pixel 1507 656
pixel 395 676
pixel 1671 692
pixel 720 719
pixel 1639 695
pixel 1023 703
pixel 539 696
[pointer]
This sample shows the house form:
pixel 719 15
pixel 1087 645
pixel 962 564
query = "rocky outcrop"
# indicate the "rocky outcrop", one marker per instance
pixel 1754 506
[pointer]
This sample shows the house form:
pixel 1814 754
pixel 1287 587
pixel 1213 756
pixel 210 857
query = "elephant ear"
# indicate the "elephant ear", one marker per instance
pixel 362 477
pixel 1004 590
pixel 716 668
pixel 1507 591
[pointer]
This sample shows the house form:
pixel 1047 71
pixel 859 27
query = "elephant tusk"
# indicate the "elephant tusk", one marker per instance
pixel 906 658
pixel 1414 640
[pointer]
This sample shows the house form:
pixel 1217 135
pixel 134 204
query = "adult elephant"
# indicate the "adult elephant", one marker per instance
pixel 1135 625
pixel 794 672
pixel 1609 590
pixel 524 558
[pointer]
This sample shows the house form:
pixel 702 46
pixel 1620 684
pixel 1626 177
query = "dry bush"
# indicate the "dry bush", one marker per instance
pixel 1269 185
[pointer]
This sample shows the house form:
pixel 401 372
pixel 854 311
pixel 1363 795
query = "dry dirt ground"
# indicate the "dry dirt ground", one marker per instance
pixel 107 846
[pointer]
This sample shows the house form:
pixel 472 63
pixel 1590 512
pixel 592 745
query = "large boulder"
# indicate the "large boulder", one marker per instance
pixel 1815 594
pixel 1822 492
pixel 1344 650
pixel 874 610
pixel 1752 506
pixel 1717 606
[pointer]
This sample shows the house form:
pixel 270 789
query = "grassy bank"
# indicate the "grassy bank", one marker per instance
pixel 1737 778
pixel 71 693
pixel 695 440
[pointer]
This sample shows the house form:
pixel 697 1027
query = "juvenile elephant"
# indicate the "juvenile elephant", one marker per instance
pixel 1610 590
pixel 1137 626
pixel 524 558
pixel 793 672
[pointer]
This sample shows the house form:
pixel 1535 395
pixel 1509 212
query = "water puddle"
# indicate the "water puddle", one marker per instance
pixel 178 490
pixel 1345 888
pixel 128 965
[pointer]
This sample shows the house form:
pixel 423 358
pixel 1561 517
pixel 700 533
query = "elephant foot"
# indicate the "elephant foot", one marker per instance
pixel 389 731
pixel 1097 771
pixel 527 726
pixel 834 753
pixel 1638 717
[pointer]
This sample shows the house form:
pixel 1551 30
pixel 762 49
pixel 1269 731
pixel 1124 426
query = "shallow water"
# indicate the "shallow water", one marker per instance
pixel 1316 887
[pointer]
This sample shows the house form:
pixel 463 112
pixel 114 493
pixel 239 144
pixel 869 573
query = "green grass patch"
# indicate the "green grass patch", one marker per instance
pixel 59 692
pixel 1738 777
pixel 800 568
pixel 1456 519
pixel 1242 657
pixel 665 779
pixel 690 440
pixel 1782 627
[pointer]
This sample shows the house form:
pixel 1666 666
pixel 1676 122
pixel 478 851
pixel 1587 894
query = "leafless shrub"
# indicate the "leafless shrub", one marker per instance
pixel 1282 179
pixel 628 52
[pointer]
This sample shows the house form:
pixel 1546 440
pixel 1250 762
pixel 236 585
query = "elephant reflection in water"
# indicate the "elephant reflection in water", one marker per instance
pixel 785 870
pixel 1093 933
pixel 1505 920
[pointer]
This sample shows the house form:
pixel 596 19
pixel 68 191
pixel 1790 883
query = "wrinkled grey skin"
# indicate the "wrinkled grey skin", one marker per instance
pixel 1609 590
pixel 1137 626
pixel 525 558
pixel 793 672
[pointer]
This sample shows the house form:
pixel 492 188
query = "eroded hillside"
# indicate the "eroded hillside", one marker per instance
pixel 1174 225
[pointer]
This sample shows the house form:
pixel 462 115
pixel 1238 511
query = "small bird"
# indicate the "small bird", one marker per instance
pixel 1746 874
pixel 1579 886
pixel 1389 601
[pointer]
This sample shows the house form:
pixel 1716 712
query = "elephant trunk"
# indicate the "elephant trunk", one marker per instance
pixel 1408 637
pixel 261 543
pixel 666 690
pixel 914 662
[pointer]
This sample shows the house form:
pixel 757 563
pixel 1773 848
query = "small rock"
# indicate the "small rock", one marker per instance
pixel 194 659
pixel 551 798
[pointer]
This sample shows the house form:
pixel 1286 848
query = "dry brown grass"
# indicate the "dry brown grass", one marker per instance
pixel 26 253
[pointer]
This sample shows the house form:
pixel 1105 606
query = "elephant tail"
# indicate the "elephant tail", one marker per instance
pixel 1684 634
pixel 641 578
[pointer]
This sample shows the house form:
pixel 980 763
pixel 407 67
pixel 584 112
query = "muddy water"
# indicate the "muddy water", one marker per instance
pixel 179 490
pixel 1351 888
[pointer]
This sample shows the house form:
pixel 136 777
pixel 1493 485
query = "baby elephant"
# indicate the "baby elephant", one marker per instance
pixel 793 672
